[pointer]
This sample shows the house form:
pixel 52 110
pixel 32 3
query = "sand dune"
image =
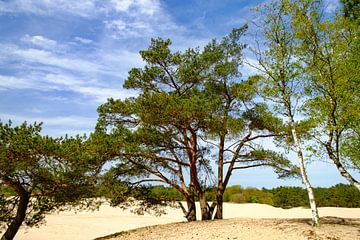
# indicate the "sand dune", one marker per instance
pixel 248 229
pixel 108 220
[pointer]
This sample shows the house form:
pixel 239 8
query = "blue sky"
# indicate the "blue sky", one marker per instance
pixel 61 59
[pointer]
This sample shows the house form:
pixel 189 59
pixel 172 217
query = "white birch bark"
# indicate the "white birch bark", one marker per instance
pixel 314 211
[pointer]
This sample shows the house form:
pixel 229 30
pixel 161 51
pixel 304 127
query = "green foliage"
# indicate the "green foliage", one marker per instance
pixel 231 190
pixel 329 51
pixel 340 195
pixel 7 191
pixel 351 9
pixel 190 102
pixel 236 194
pixel 53 173
pixel 237 198
pixel 288 197
pixel 166 193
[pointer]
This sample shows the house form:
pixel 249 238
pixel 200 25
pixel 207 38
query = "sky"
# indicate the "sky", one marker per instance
pixel 61 59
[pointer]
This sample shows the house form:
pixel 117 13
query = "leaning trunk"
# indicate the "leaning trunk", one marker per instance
pixel 341 168
pixel 314 211
pixel 19 218
pixel 345 173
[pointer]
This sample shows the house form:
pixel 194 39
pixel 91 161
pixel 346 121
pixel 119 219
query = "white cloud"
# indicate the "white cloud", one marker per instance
pixel 145 7
pixel 36 110
pixel 121 5
pixel 56 126
pixel 121 58
pixel 102 94
pixel 65 82
pixel 115 63
pixel 46 57
pixel 11 82
pixel 88 88
pixel 40 41
pixel 83 40
pixel 149 7
pixel 70 121
pixel 123 19
pixel 140 18
pixel 83 8
pixel 47 69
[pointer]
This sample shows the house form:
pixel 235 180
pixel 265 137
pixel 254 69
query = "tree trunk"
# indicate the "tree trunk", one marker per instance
pixel 205 213
pixel 341 169
pixel 191 212
pixel 19 218
pixel 219 206
pixel 220 187
pixel 314 211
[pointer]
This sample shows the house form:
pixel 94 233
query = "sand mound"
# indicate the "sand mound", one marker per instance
pixel 255 229
pixel 108 220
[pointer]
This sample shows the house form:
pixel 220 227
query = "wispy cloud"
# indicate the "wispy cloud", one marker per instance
pixel 11 52
pixel 140 18
pixel 102 62
pixel 56 126
pixel 82 8
pixel 147 7
pixel 87 66
pixel 65 82
pixel 12 82
pixel 96 91
pixel 40 41
pixel 121 18
pixel 83 40
pixel 66 121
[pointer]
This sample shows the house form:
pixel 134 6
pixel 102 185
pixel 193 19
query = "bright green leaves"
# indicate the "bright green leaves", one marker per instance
pixel 327 48
pixel 310 69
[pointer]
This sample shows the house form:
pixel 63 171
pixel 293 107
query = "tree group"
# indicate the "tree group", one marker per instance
pixel 196 120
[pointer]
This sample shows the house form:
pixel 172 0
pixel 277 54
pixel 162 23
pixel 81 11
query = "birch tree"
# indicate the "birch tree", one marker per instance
pixel 329 48
pixel 283 78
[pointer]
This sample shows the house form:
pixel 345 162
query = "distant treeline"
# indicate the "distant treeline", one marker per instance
pixel 340 195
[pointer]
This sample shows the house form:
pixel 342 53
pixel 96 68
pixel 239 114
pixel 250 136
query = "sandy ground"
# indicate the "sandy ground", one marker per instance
pixel 108 220
pixel 249 229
